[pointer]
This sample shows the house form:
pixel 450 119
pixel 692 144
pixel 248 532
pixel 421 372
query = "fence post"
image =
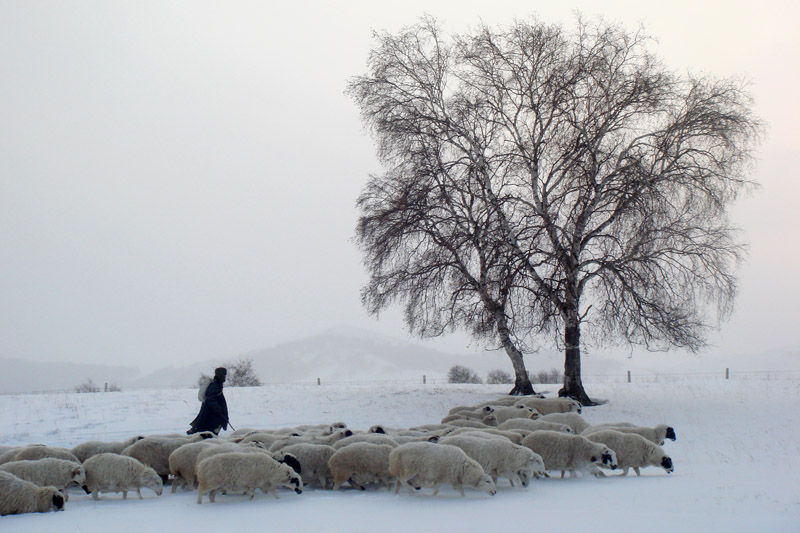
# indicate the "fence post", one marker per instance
pixel 727 373
pixel 629 376
pixel 423 379
pixel 319 382
pixel 106 388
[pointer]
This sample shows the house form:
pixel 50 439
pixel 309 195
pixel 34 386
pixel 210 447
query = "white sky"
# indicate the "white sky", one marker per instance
pixel 178 179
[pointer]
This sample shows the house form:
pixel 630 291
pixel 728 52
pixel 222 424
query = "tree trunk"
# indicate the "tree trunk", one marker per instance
pixel 522 383
pixel 573 386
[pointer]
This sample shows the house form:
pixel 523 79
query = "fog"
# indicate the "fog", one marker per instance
pixel 178 179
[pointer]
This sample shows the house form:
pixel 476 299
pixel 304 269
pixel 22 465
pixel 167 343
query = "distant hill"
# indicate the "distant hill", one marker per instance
pixel 345 354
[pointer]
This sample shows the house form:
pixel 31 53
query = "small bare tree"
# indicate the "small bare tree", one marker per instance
pixel 462 374
pixel 241 374
pixel 497 377
pixel 546 184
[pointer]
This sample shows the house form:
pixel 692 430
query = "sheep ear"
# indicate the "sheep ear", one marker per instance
pixel 76 472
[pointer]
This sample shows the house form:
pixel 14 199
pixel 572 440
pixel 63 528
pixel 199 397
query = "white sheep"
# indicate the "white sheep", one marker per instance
pixel 372 438
pixel 482 410
pixel 499 457
pixel 513 436
pixel 48 471
pixel 155 451
pixel 633 451
pixel 656 435
pixel 33 452
pixel 402 439
pixel 244 472
pixel 573 420
pixel 487 421
pixel 18 496
pixel 569 453
pixel 313 459
pixel 111 472
pixel 507 413
pixel 534 425
pixel 85 450
pixel 183 460
pixel 361 463
pixel 547 406
pixel 424 464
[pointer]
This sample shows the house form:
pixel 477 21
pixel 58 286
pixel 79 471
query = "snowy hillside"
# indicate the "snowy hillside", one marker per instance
pixel 735 457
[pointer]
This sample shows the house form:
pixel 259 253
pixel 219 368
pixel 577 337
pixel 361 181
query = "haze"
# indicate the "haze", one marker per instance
pixel 178 179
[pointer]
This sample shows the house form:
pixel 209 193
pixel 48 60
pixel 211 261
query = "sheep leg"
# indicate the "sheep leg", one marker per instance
pixel 274 493
pixel 406 484
pixel 200 492
pixel 436 489
pixel 95 494
pixel 459 488
pixel 252 494
pixel 139 492
pixel 212 495
pixel 625 471
pixel 124 494
pixel 636 469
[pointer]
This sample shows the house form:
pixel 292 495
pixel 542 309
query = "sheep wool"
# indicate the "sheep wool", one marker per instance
pixel 48 471
pixel 18 496
pixel 155 451
pixel 546 406
pixel 424 464
pixel 534 425
pixel 244 472
pixel 573 420
pixel 313 459
pixel 361 463
pixel 183 460
pixel 85 450
pixel 499 457
pixel 110 472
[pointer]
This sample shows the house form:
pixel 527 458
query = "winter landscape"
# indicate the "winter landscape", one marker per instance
pixel 735 458
pixel 354 197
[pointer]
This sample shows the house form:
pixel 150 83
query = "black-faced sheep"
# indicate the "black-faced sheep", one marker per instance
pixel 49 471
pixel 633 451
pixel 656 435
pixel 18 496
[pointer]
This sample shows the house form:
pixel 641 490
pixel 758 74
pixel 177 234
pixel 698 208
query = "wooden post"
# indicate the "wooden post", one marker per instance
pixel 319 382
pixel 629 376
pixel 423 379
pixel 106 388
pixel 727 373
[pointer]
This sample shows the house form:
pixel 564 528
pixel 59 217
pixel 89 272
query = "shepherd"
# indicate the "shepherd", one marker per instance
pixel 213 415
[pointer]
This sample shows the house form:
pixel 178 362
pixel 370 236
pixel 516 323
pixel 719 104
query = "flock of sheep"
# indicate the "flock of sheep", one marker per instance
pixel 515 438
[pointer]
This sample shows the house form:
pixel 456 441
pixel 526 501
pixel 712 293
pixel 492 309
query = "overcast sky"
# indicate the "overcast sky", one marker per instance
pixel 178 179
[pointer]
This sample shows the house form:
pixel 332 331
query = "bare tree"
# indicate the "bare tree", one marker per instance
pixel 241 373
pixel 541 184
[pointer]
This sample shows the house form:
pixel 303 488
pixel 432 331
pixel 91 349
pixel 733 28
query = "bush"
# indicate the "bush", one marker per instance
pixel 113 387
pixel 87 386
pixel 462 374
pixel 241 374
pixel 497 377
pixel 552 376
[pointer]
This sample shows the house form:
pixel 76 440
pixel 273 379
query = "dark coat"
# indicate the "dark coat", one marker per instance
pixel 213 411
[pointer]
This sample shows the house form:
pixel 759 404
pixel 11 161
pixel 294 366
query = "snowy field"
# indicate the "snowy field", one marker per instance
pixel 737 461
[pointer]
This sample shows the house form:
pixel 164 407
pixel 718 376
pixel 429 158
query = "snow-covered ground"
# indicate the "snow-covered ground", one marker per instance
pixel 737 461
